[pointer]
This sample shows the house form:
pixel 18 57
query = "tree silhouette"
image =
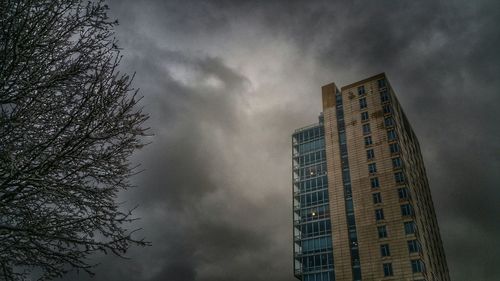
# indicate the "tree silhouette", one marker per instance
pixel 68 123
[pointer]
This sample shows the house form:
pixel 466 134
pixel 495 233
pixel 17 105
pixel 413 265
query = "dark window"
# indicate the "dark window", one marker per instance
pixel 410 227
pixel 387 269
pixel 403 193
pixel 394 147
pixel 417 266
pixel 366 129
pixel 387 108
pixel 384 250
pixel 374 182
pixel 406 210
pixel 389 122
pixel 368 140
pixel 381 83
pixel 361 90
pixel 396 162
pixel 362 103
pixel 377 198
pixel 391 135
pixel 414 246
pixel 370 154
pixel 364 116
pixel 372 168
pixel 384 96
pixel 399 177
pixel 382 231
pixel 379 214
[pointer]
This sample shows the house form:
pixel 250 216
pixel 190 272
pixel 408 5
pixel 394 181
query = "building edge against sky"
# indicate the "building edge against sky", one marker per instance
pixel 362 206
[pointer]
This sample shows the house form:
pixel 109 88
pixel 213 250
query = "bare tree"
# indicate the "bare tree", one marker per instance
pixel 68 123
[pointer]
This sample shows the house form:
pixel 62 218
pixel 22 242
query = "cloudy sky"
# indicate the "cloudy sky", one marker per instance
pixel 227 82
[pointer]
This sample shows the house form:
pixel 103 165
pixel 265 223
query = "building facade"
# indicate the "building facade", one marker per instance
pixel 361 200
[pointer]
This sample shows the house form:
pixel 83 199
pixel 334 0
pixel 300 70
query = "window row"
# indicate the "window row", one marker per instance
pixel 409 228
pixel 313 184
pixel 416 266
pixel 310 134
pixel 316 245
pixel 316 228
pixel 315 213
pixel 310 158
pixel 322 276
pixel 313 198
pixel 312 171
pixel 311 146
pixel 406 211
pixel 317 262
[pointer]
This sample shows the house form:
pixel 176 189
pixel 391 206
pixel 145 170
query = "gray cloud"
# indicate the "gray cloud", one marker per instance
pixel 226 82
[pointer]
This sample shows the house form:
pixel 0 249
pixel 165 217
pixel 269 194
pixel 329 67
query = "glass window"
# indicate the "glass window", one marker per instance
pixel 387 269
pixel 370 154
pixel 387 108
pixel 384 96
pixel 381 83
pixel 399 177
pixel 379 214
pixel 417 266
pixel 396 162
pixel 362 103
pixel 410 227
pixel 394 147
pixel 384 250
pixel 372 168
pixel 364 116
pixel 368 140
pixel 377 198
pixel 374 182
pixel 361 90
pixel 406 210
pixel 403 193
pixel 366 129
pixel 391 135
pixel 414 246
pixel 382 231
pixel 389 122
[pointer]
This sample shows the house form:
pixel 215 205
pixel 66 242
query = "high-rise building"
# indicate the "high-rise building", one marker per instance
pixel 362 204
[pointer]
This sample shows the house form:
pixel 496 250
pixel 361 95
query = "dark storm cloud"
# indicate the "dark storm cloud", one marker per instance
pixel 226 82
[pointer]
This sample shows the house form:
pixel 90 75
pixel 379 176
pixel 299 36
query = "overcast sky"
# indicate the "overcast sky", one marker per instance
pixel 227 82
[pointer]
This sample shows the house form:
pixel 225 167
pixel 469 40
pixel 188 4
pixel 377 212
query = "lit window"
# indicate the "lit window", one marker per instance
pixel 364 116
pixel 368 140
pixel 374 182
pixel 366 129
pixel 377 198
pixel 417 266
pixel 362 103
pixel 384 250
pixel 382 231
pixel 372 168
pixel 387 269
pixel 379 214
pixel 370 154
pixel 361 90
